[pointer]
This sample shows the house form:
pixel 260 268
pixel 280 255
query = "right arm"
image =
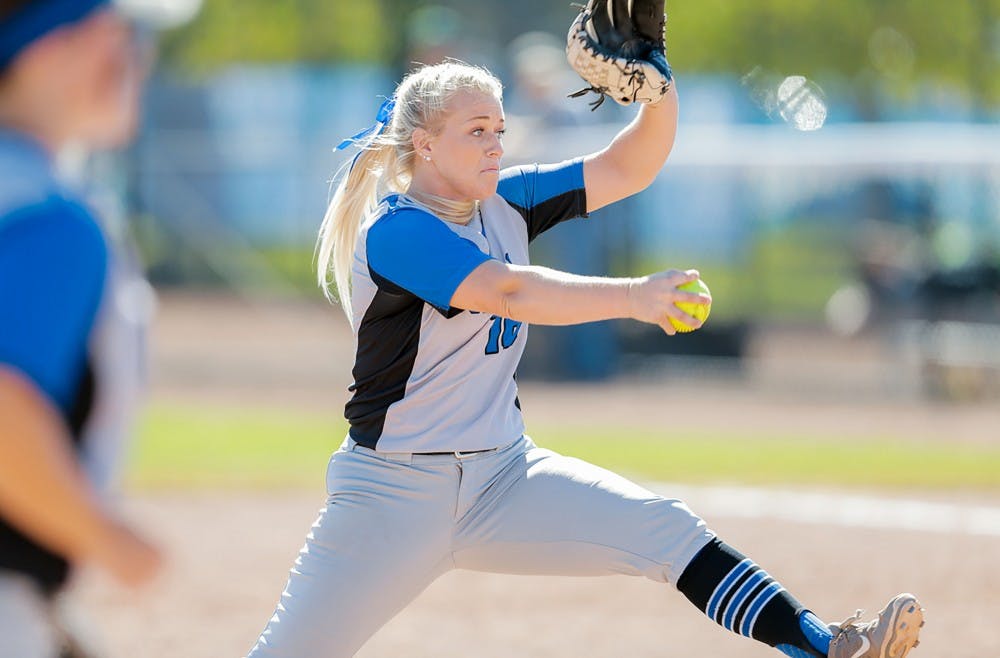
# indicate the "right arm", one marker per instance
pixel 418 253
pixel 539 295
pixel 45 495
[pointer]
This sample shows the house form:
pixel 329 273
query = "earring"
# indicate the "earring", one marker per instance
pixel 427 158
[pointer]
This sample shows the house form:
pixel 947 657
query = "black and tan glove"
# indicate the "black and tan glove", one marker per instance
pixel 617 46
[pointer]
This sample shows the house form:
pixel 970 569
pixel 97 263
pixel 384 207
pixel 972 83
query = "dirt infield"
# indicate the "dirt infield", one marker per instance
pixel 230 554
pixel 230 551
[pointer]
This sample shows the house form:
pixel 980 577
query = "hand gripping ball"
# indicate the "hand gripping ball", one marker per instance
pixel 699 311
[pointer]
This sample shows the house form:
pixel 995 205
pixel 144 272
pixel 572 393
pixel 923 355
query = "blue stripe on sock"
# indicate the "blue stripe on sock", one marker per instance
pixel 723 587
pixel 740 598
pixel 818 633
pixel 794 652
pixel 758 604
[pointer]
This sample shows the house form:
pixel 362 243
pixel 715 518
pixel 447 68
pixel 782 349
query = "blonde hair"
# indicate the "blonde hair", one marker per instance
pixel 385 165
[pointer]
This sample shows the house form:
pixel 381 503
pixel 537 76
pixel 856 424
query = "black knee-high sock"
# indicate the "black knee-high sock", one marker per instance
pixel 739 595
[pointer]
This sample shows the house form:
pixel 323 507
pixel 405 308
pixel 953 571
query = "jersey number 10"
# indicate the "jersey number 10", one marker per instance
pixel 503 333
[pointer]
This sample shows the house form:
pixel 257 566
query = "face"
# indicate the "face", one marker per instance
pixel 465 153
pixel 99 75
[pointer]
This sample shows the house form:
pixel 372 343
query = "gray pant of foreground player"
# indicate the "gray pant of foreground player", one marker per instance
pixel 393 523
pixel 26 628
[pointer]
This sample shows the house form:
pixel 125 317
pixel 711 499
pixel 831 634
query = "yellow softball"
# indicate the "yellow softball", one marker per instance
pixel 699 311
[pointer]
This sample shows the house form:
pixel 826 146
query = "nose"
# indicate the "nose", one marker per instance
pixel 495 148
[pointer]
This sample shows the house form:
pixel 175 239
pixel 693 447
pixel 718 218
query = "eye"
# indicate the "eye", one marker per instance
pixel 501 133
pixel 478 132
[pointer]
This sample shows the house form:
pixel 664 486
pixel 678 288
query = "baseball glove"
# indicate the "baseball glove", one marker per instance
pixel 617 47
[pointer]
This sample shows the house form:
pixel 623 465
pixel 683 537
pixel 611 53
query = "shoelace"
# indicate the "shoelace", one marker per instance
pixel 853 620
pixel 846 627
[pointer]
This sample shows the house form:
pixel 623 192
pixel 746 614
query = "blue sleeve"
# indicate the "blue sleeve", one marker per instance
pixel 414 250
pixel 545 195
pixel 53 261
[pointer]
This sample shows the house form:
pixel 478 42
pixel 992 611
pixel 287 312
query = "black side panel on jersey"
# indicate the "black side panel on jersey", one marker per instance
pixel 551 212
pixel 83 404
pixel 387 349
pixel 545 195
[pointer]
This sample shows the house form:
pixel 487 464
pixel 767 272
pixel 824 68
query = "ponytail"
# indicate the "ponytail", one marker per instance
pixel 354 200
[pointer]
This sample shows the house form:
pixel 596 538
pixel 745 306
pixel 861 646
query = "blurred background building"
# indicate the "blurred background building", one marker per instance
pixel 836 177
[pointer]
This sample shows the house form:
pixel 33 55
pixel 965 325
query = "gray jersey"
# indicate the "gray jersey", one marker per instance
pixel 429 377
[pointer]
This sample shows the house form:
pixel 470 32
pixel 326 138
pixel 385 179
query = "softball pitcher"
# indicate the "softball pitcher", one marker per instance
pixel 430 236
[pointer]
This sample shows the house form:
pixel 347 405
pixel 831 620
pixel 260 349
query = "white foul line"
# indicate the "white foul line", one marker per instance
pixel 836 509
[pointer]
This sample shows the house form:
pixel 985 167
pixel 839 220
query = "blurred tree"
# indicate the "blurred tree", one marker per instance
pixel 895 46
pixel 397 13
pixel 899 47
pixel 259 31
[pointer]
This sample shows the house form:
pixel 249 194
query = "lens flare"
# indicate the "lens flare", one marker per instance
pixel 801 104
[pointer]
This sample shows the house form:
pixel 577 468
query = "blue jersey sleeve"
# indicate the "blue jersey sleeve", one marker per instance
pixel 545 195
pixel 53 261
pixel 414 250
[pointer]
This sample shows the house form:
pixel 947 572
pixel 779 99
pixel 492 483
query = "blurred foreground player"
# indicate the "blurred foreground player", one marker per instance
pixel 71 315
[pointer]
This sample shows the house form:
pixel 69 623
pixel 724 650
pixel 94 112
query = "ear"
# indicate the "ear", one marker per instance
pixel 421 142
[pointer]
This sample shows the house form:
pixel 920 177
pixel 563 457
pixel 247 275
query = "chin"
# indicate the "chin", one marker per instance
pixel 115 137
pixel 115 129
pixel 487 190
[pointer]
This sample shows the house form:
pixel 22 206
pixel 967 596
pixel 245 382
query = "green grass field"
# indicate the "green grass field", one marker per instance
pixel 193 447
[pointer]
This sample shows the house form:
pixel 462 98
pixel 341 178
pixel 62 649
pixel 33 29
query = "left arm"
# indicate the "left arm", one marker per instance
pixel 634 157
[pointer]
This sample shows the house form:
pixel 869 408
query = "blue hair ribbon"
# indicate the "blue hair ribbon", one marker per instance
pixel 366 136
pixel 36 19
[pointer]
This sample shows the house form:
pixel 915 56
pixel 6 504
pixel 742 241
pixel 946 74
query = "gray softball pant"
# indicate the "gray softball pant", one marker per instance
pixel 394 522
